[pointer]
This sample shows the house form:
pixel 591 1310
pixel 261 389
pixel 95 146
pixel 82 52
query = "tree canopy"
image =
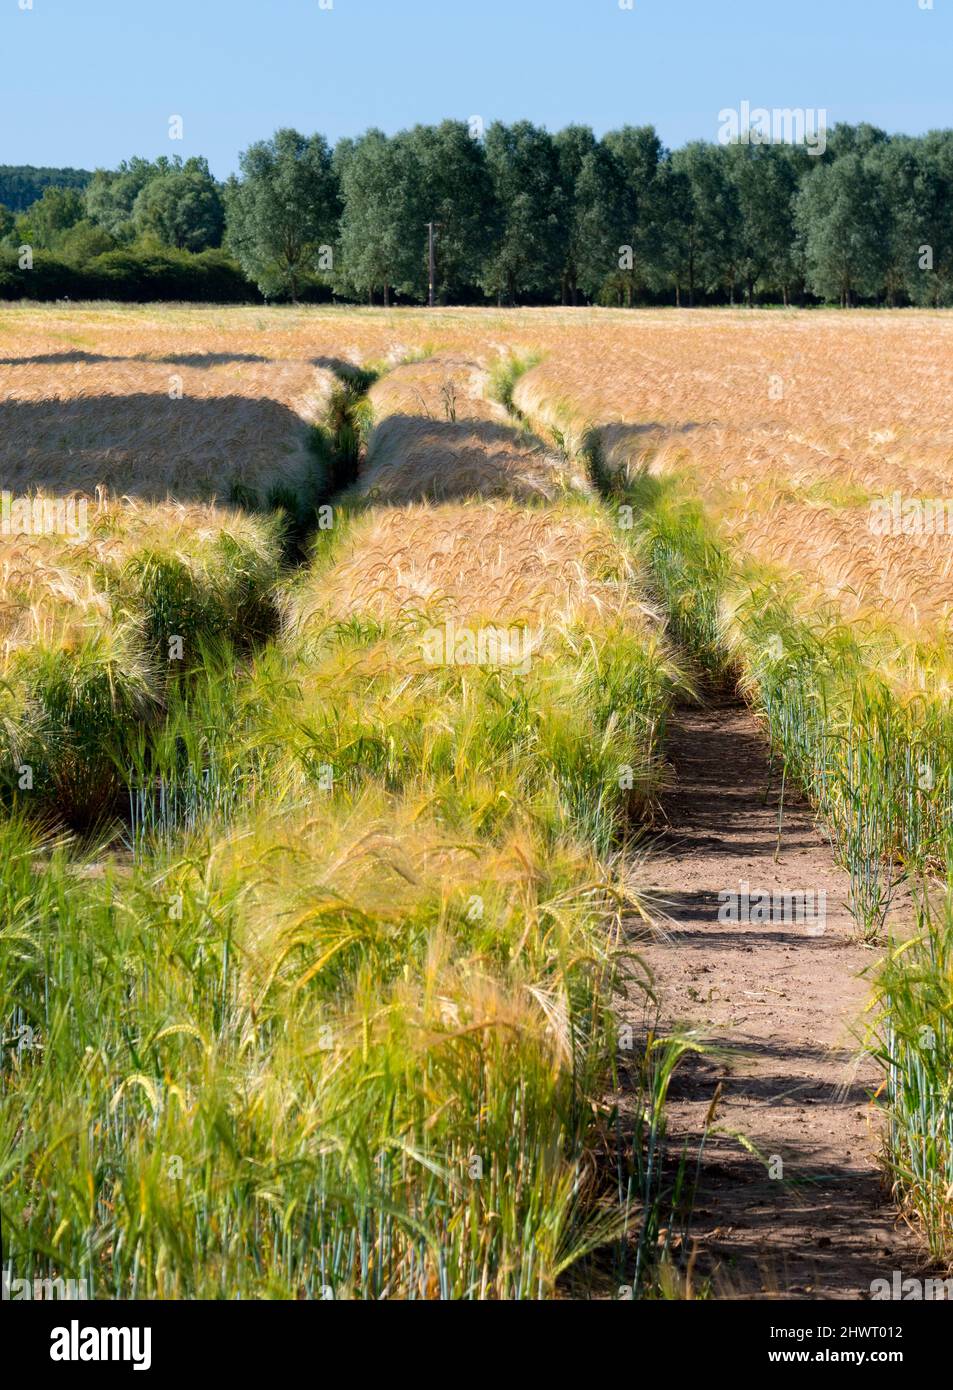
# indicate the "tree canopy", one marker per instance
pixel 522 215
pixel 283 210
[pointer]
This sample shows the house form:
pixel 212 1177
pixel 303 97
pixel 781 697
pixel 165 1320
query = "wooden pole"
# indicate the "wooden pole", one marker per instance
pixel 433 265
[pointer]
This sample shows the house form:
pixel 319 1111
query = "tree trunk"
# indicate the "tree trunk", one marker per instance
pixel 678 296
pixel 387 296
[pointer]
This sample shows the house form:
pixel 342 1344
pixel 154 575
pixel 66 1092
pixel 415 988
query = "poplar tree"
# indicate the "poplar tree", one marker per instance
pixel 283 210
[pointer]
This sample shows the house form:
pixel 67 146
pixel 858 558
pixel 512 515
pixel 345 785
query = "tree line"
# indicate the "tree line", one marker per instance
pixel 22 184
pixel 525 216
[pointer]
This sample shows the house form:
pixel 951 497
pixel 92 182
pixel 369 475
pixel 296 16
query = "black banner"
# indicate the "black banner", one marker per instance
pixel 702 1338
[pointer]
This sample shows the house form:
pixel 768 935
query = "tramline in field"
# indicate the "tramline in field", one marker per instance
pixel 325 894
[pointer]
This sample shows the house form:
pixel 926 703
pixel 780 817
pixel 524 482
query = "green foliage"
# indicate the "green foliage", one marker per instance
pixel 599 225
pixel 83 242
pixel 530 250
pixel 182 209
pixel 842 217
pixel 914 1044
pixel 341 439
pixel 21 185
pixel 877 762
pixel 49 278
pixel 283 211
pixel 917 181
pixel 711 227
pixel 505 372
pixel 456 194
pixel 675 266
pixel 111 195
pixel 352 1036
pixel 523 215
pixel 639 154
pixel 75 707
pixel 384 210
pixel 765 180
pixel 128 274
pixel 226 588
pixel 418 1120
pixel 43 226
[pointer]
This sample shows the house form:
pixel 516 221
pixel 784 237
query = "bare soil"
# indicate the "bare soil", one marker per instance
pixel 779 1011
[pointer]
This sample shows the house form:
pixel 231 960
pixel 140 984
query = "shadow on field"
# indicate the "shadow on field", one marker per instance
pixel 826 1228
pixel 180 359
pixel 413 459
pixel 58 359
pixel 148 445
pixel 339 366
pixel 203 359
pixel 626 445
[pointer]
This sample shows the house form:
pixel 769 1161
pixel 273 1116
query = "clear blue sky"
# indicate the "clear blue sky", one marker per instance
pixel 89 82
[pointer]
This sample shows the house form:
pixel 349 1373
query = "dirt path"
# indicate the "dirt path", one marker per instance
pixel 779 1003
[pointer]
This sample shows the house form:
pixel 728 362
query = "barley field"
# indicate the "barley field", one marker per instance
pixel 333 728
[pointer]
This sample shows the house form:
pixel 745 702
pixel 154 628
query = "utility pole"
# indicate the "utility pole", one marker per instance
pixel 431 228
